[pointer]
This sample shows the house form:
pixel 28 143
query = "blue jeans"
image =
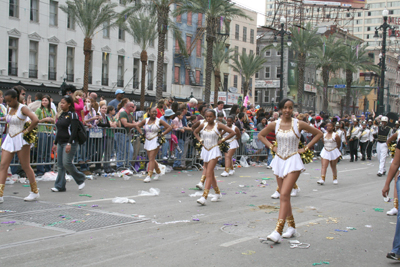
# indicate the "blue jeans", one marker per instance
pixel 81 156
pixel 181 144
pixel 269 156
pixel 64 163
pixel 396 241
pixel 45 144
pixel 124 149
pixel 165 148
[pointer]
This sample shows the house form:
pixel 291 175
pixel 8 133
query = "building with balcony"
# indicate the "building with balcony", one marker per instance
pixel 188 62
pixel 44 47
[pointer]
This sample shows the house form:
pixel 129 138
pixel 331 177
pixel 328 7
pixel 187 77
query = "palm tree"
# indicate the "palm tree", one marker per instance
pixel 90 15
pixel 213 10
pixel 304 41
pixel 247 65
pixel 221 54
pixel 327 58
pixel 355 57
pixel 144 31
pixel 160 10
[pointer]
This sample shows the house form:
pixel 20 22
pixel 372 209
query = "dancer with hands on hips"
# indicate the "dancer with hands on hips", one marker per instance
pixel 287 163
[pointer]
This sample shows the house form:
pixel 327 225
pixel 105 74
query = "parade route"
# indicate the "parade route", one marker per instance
pixel 173 230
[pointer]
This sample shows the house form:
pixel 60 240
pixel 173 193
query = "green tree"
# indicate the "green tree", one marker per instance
pixel 355 57
pixel 213 10
pixel 221 54
pixel 247 65
pixel 161 11
pixel 90 15
pixel 143 29
pixel 304 41
pixel 327 57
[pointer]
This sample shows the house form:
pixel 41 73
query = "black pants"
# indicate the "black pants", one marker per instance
pixel 353 145
pixel 369 149
pixel 363 148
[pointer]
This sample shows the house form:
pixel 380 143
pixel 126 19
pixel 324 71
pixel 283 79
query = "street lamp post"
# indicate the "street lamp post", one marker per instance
pixel 384 27
pixel 282 33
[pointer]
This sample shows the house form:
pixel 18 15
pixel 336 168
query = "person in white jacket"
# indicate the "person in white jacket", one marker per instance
pixel 353 135
pixel 364 139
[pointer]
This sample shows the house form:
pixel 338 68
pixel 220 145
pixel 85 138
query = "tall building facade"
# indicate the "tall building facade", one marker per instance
pixel 42 46
pixel 188 62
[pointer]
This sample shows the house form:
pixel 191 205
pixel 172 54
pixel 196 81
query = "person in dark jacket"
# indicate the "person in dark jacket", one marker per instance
pixel 66 144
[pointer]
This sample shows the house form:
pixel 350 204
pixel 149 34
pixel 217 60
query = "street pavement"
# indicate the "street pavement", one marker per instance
pixel 171 229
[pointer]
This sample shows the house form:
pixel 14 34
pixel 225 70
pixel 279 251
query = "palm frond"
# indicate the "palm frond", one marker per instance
pixel 143 29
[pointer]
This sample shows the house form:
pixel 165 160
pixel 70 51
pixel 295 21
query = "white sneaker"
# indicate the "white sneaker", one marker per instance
pixel 294 192
pixel 320 181
pixel 156 177
pixel 173 157
pixel 81 186
pixel 164 158
pixel 335 181
pixel 202 201
pixel 231 172
pixel 224 174
pixel 275 237
pixel 392 212
pixel 1 200
pixel 200 185
pixel 216 197
pixel 32 197
pixel 269 167
pixel 290 232
pixel 276 195
pixel 147 179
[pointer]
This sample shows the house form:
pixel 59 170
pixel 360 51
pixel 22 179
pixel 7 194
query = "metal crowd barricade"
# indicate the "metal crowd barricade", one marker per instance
pixel 105 147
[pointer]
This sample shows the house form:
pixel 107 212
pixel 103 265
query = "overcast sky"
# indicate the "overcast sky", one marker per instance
pixel 256 5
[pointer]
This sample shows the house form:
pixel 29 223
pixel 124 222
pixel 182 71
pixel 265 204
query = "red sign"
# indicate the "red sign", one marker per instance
pixel 395 21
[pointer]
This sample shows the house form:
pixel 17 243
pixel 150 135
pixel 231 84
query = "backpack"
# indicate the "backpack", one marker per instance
pixel 82 135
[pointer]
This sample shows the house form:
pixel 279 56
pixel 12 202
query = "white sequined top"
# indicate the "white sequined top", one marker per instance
pixel 288 140
pixel 210 137
pixel 234 137
pixel 151 130
pixel 330 144
pixel 16 122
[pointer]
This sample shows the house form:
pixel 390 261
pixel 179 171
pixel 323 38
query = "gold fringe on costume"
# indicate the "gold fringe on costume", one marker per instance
pixel 290 221
pixel 306 157
pixel 150 174
pixel 278 190
pixel 34 188
pixel 158 171
pixel 295 186
pixel 323 177
pixel 217 191
pixel 2 189
pixel 279 226
pixel 205 193
pixel 232 168
pixel 334 178
pixel 396 203
pixel 226 169
pixel 203 179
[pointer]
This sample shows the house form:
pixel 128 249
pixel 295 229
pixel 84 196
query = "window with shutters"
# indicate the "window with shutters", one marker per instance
pixel 198 48
pixel 189 18
pixel 199 20
pixel 177 74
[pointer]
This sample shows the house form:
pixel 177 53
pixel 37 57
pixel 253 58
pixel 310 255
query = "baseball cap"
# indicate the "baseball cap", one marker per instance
pixel 119 91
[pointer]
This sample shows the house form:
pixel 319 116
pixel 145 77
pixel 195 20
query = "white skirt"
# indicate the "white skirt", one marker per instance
pixel 330 155
pixel 152 144
pixel 214 153
pixel 282 168
pixel 234 144
pixel 14 144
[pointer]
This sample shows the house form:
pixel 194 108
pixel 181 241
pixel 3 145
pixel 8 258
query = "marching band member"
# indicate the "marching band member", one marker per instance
pixel 364 139
pixel 353 134
pixel 381 146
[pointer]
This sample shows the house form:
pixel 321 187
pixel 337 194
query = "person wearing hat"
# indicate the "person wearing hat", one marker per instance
pixel 168 116
pixel 381 146
pixel 353 134
pixel 119 94
pixel 395 128
pixel 364 139
pixel 318 122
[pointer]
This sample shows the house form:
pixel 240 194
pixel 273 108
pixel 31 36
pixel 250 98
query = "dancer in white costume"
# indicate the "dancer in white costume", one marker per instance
pixel 151 127
pixel 287 163
pixel 17 115
pixel 330 153
pixel 210 132
pixel 233 145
